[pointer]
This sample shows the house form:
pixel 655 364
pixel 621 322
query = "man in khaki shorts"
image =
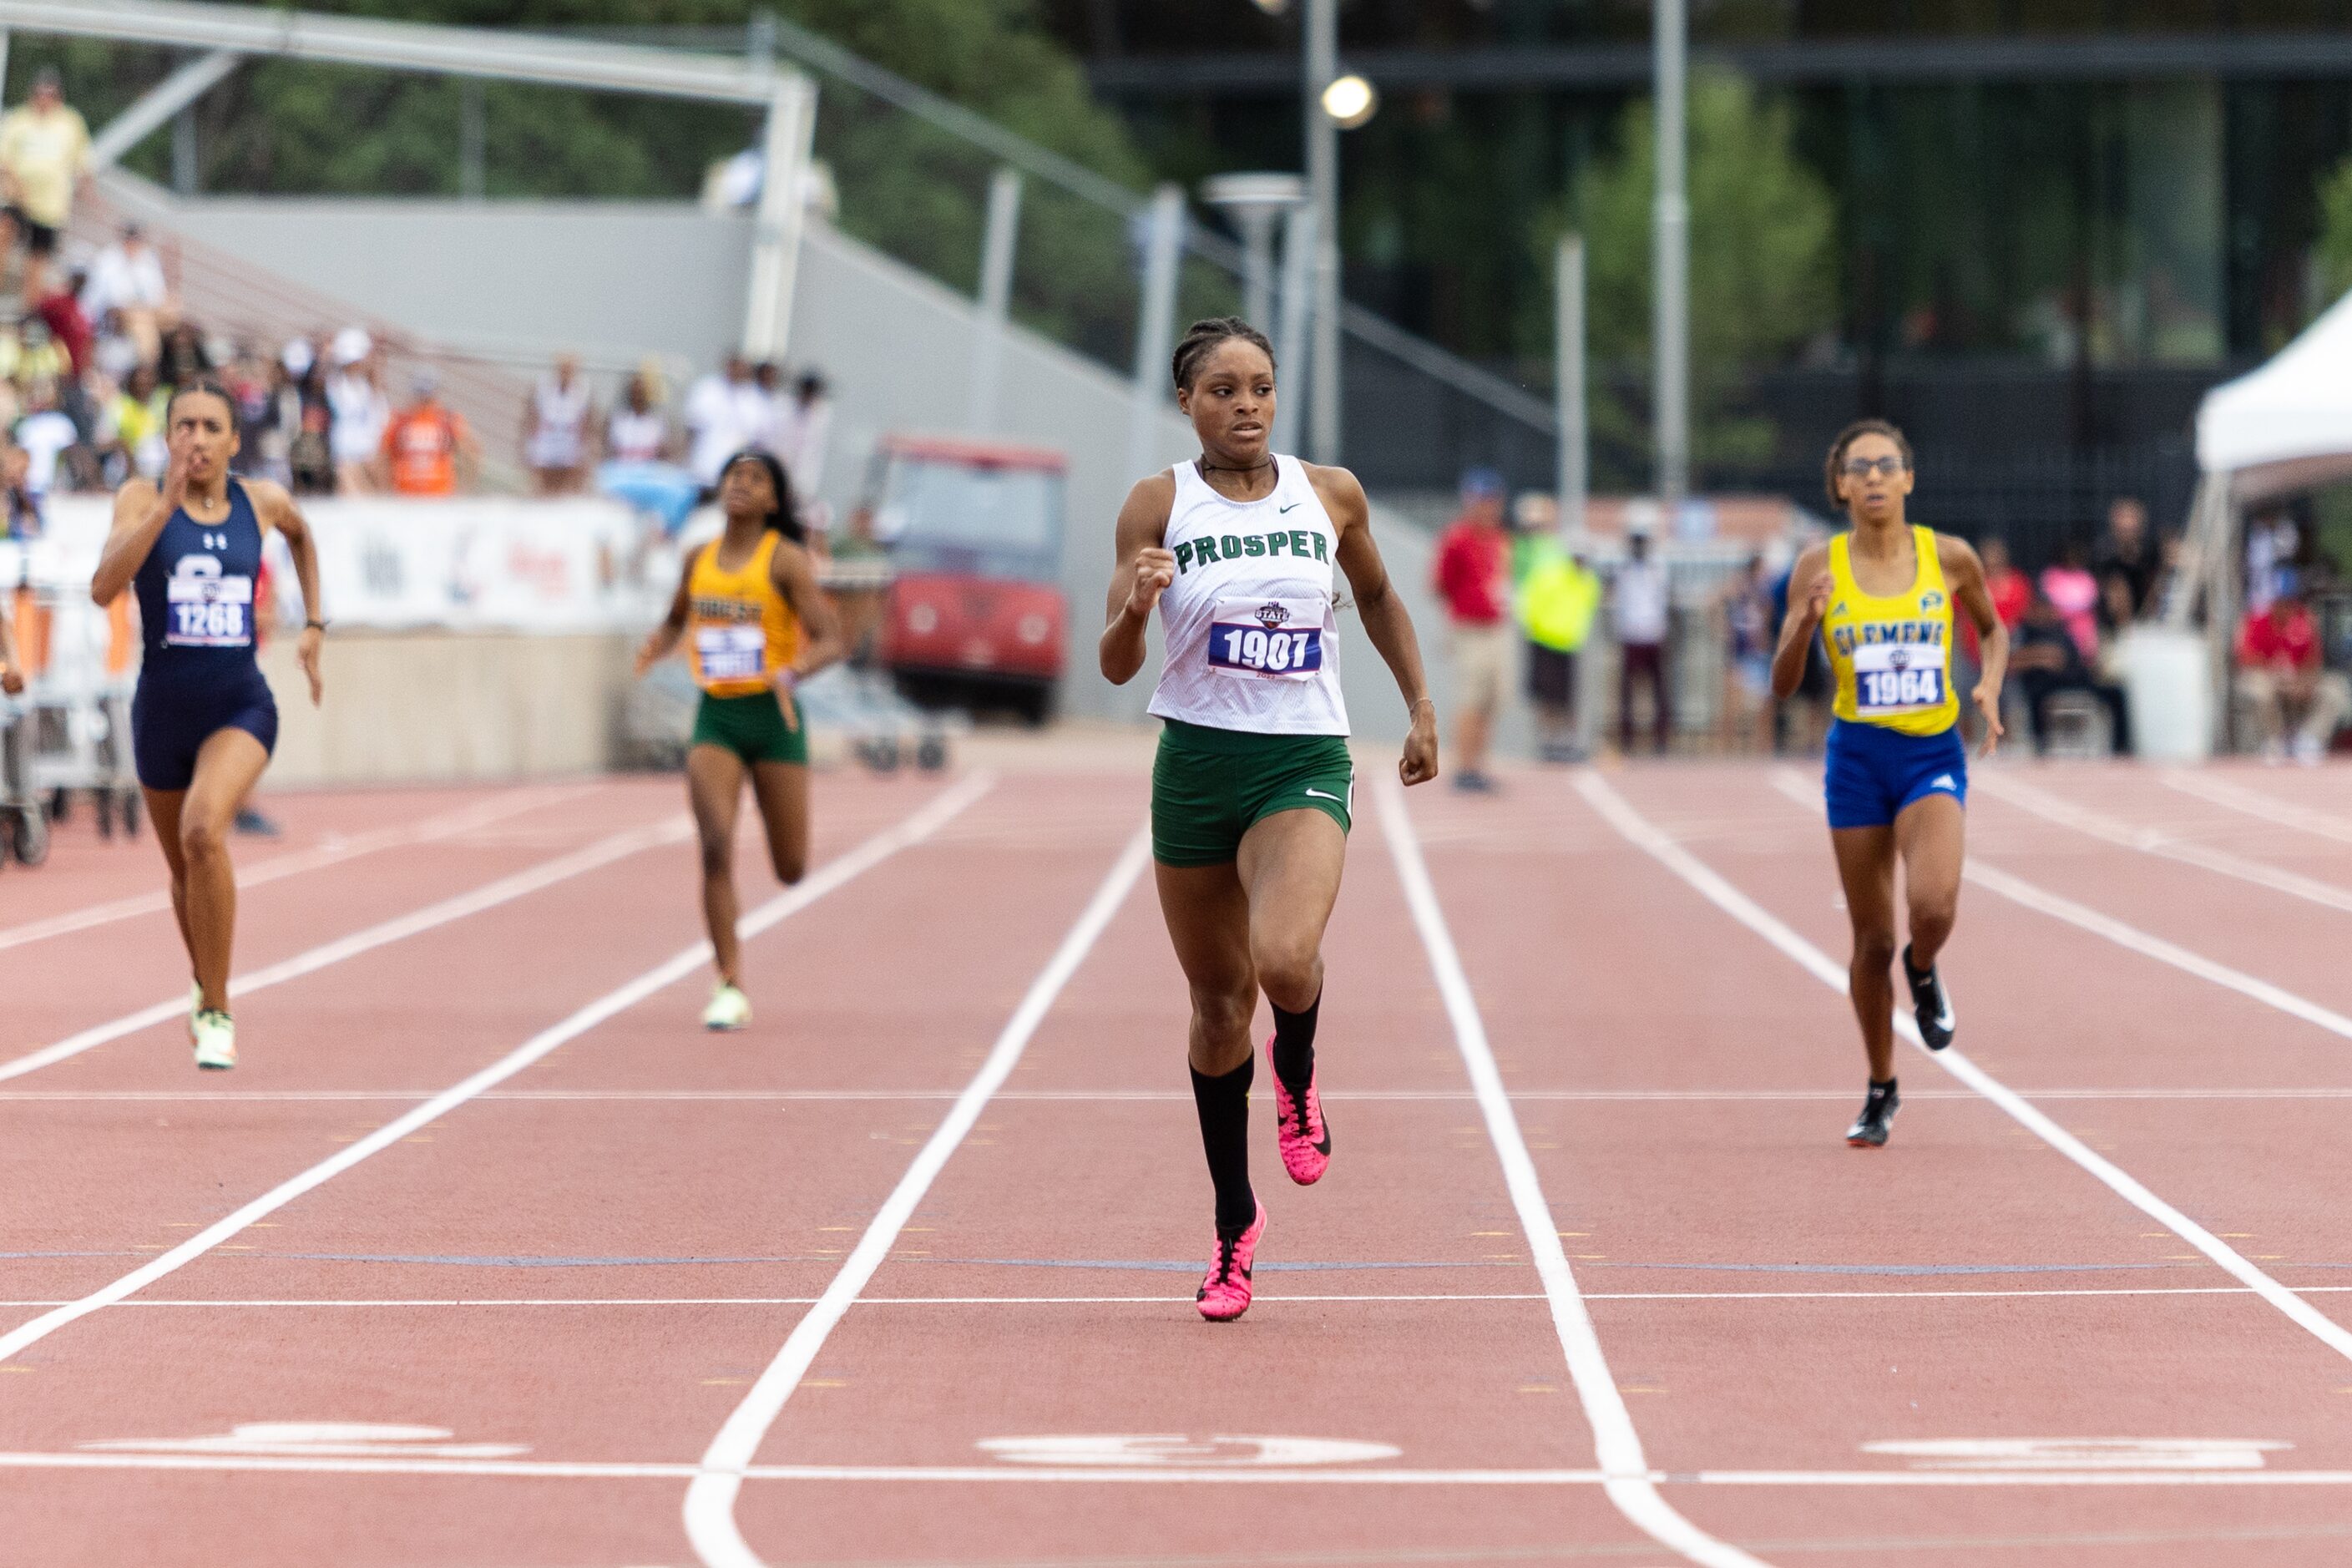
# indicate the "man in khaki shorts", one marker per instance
pixel 1473 578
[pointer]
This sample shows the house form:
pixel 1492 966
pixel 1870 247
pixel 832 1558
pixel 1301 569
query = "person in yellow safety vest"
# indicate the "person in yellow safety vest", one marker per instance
pixel 1558 595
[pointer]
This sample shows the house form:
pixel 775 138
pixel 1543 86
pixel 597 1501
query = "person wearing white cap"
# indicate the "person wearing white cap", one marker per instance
pixel 355 398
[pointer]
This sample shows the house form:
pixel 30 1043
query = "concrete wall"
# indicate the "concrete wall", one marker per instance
pixel 615 280
pixel 622 279
pixel 437 706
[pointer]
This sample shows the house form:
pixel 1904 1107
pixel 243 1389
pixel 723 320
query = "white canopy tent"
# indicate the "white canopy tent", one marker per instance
pixel 2285 427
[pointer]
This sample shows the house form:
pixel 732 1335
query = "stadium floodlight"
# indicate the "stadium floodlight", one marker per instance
pixel 1273 8
pixel 1254 202
pixel 1349 100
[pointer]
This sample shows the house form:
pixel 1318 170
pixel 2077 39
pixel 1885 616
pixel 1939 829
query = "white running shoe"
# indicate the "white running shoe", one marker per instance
pixel 216 1039
pixel 729 1009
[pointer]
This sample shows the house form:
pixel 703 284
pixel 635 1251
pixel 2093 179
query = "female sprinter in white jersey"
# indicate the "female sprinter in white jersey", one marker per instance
pixel 1253 791
pixel 1881 597
pixel 202 723
pixel 756 624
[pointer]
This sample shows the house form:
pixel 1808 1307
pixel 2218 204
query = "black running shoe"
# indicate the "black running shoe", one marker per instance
pixel 1869 1128
pixel 1930 1004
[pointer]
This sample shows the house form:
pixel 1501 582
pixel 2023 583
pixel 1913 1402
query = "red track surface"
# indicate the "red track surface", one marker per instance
pixel 592 1263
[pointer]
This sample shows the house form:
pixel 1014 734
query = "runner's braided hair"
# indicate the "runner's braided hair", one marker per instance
pixel 1846 438
pixel 209 387
pixel 1203 336
pixel 786 519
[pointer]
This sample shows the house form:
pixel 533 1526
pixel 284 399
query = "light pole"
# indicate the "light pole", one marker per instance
pixel 1670 322
pixel 1256 202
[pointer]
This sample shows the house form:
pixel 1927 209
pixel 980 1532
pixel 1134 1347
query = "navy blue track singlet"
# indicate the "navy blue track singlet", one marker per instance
pixel 198 674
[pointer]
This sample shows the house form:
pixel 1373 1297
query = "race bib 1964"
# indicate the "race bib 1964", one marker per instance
pixel 1893 678
pixel 207 611
pixel 1267 638
pixel 732 653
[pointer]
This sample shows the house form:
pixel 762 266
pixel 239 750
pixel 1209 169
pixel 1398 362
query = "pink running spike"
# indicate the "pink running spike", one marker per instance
pixel 1225 1295
pixel 1300 1129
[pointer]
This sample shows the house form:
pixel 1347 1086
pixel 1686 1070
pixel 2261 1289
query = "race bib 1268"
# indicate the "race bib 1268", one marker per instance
pixel 732 653
pixel 1891 678
pixel 1267 638
pixel 203 611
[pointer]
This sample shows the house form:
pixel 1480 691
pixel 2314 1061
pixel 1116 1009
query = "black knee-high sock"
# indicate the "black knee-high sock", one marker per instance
pixel 1223 1105
pixel 1294 1044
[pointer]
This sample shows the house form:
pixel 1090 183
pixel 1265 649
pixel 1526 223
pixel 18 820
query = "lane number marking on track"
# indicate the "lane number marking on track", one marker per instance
pixel 321 1439
pixel 2081 1453
pixel 1174 1448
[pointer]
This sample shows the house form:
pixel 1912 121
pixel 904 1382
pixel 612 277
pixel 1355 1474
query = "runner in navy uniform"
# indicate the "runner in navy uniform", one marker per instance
pixel 202 723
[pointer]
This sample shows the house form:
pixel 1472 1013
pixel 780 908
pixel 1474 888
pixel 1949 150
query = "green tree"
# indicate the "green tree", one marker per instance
pixel 1760 269
pixel 2332 255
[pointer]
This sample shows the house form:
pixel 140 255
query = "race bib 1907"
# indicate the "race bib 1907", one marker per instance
pixel 1267 638
pixel 205 611
pixel 732 653
pixel 1893 678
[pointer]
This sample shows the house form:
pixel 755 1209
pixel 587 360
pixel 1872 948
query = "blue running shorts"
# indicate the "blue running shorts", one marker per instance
pixel 1872 773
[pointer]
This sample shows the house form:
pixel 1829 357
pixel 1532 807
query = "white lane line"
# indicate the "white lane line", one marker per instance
pixel 823 880
pixel 1121 1096
pixel 2124 935
pixel 1156 1475
pixel 449 825
pixel 2253 803
pixel 1138 1095
pixel 604 852
pixel 1616 1443
pixel 1264 1299
pixel 2166 846
pixel 1719 892
pixel 709 1508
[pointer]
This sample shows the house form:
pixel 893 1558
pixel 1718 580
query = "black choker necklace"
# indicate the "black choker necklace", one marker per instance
pixel 1208 468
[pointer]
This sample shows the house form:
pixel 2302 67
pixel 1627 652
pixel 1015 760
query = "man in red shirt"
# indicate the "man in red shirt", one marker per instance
pixel 1473 578
pixel 2283 679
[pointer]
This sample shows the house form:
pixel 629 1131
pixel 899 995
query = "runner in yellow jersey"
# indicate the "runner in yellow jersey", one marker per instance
pixel 1881 596
pixel 755 624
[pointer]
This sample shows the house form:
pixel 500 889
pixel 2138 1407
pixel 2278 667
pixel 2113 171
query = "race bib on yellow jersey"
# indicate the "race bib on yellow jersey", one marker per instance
pixel 1897 677
pixel 732 653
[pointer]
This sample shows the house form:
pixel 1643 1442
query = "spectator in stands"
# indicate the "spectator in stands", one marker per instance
pixel 21 515
pixel 559 424
pixel 44 162
pixel 2010 589
pixel 49 441
pixel 1641 598
pixel 427 444
pixel 2047 660
pixel 2075 594
pixel 131 439
pixel 1558 594
pixel 68 322
pixel 716 425
pixel 2125 552
pixel 306 419
pixel 112 353
pixel 805 428
pixel 359 411
pixel 185 358
pixel 638 431
pixel 127 278
pixel 249 390
pixel 2283 680
pixel 31 355
pixel 1749 636
pixel 1473 578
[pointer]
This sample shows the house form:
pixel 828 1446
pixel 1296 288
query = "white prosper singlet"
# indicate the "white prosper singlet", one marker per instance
pixel 1252 621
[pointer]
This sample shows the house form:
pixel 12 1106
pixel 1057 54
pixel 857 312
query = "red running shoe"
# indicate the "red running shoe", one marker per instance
pixel 1225 1295
pixel 1304 1137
